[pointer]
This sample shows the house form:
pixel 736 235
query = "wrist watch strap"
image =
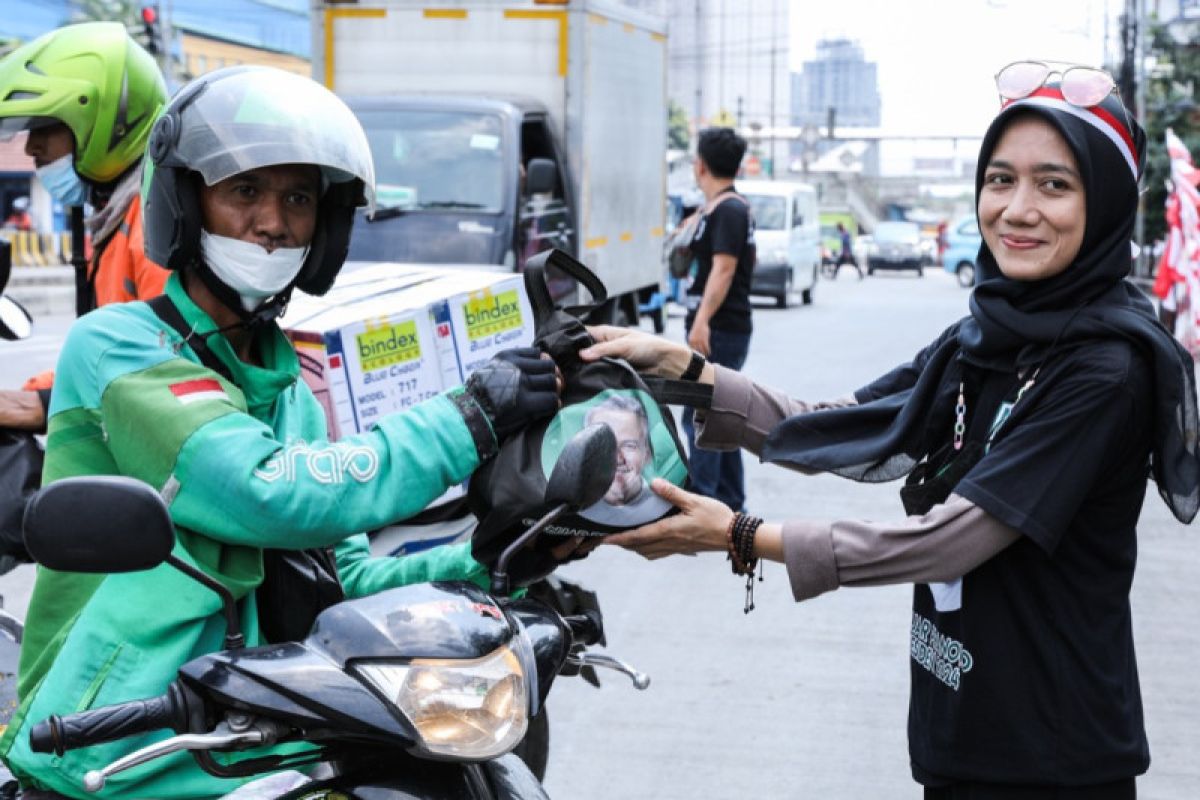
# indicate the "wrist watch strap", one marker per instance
pixel 694 368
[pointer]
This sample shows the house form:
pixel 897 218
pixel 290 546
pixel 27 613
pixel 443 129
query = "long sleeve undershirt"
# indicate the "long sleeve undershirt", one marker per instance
pixel 821 555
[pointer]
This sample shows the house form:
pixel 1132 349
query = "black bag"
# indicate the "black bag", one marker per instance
pixel 506 494
pixel 297 584
pixel 20 476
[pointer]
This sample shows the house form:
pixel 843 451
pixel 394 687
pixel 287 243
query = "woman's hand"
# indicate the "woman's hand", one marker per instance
pixel 700 527
pixel 644 352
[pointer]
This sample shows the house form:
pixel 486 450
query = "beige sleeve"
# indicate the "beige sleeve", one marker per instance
pixel 743 413
pixel 943 545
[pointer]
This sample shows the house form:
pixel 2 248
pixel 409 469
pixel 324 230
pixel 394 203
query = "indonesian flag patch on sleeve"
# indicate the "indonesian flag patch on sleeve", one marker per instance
pixel 201 389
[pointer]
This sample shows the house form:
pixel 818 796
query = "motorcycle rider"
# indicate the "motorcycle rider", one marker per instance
pixel 250 191
pixel 87 94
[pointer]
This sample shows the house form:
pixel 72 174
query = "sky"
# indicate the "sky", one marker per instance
pixel 937 58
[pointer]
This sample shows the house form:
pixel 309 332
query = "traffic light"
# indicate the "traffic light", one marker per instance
pixel 152 28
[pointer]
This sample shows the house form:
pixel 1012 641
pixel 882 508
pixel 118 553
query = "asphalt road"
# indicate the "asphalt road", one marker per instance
pixel 796 701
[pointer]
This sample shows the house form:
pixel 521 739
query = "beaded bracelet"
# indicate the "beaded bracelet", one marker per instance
pixel 739 539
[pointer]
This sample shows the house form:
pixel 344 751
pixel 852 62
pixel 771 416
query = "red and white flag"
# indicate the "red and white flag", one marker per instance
pixel 189 392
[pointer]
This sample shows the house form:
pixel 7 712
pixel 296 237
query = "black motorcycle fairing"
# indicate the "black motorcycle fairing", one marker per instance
pixel 291 683
pixel 550 639
pixel 444 619
pixel 512 780
pixel 400 777
pixel 311 685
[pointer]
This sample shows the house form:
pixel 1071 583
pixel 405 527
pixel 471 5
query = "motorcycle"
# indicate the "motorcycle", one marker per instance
pixel 421 691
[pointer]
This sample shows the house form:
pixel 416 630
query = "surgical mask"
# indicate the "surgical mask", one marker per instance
pixel 248 269
pixel 62 182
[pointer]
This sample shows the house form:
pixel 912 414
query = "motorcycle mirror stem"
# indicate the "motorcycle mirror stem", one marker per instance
pixel 582 474
pixel 107 544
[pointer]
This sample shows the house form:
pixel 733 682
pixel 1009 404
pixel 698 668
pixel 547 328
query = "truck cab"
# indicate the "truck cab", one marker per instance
pixel 453 181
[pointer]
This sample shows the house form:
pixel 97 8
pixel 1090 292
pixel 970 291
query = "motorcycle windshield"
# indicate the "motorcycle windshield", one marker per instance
pixel 450 620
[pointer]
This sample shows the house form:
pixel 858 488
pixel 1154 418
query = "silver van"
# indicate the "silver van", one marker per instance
pixel 788 234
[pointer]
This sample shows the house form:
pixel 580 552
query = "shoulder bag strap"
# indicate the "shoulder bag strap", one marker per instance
pixel 169 313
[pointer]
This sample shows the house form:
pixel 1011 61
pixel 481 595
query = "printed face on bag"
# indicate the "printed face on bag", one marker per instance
pixel 1032 207
pixel 627 420
pixel 646 450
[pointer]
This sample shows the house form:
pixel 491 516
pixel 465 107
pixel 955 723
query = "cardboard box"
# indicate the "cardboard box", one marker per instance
pixel 389 336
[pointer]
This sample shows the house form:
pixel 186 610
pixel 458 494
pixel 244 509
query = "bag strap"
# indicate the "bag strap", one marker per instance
pixel 539 291
pixel 169 313
pixel 672 392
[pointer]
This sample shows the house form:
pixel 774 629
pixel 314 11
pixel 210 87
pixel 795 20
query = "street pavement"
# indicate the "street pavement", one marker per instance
pixel 796 701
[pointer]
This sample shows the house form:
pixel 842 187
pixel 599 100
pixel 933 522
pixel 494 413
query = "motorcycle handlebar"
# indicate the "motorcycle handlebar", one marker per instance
pixel 586 628
pixel 60 734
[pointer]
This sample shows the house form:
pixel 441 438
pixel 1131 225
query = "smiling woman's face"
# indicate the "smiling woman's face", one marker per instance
pixel 1032 208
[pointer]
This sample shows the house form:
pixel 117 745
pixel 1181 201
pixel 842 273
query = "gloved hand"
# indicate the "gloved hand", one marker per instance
pixel 515 388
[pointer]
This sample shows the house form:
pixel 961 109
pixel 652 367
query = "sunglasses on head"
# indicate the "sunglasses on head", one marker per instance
pixel 1080 86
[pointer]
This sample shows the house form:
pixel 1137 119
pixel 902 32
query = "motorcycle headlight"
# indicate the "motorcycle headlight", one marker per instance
pixel 471 710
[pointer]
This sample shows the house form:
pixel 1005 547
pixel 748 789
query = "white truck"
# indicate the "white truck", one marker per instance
pixel 500 128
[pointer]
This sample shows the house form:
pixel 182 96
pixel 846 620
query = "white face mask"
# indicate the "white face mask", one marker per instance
pixel 249 269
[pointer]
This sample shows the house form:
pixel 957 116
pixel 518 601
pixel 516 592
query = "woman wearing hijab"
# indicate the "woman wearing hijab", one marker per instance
pixel 1027 431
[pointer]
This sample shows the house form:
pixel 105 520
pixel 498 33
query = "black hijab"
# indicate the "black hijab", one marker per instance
pixel 1013 324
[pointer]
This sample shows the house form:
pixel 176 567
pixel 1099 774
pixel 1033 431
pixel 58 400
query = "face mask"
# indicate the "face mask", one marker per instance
pixel 249 269
pixel 62 182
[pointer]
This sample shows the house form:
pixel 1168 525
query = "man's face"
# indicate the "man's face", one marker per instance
pixel 49 143
pixel 632 453
pixel 270 206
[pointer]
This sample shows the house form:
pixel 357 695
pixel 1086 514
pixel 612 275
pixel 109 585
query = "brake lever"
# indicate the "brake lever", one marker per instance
pixel 220 738
pixel 640 679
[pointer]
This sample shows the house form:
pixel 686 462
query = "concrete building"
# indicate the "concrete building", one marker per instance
pixel 839 78
pixel 728 65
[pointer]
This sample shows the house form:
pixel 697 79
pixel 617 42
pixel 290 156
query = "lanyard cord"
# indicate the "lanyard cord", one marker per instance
pixel 960 408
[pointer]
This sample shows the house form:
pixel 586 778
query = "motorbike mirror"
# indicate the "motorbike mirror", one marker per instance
pixel 15 322
pixel 585 468
pixel 98 524
pixel 5 263
pixel 541 176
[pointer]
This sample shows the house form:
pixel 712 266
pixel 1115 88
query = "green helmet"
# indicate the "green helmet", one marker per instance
pixel 96 80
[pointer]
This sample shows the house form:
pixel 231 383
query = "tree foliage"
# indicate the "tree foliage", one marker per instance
pixel 127 12
pixel 678 130
pixel 1171 102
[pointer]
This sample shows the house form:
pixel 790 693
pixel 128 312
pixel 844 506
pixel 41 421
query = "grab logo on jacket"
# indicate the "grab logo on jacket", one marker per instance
pixel 328 463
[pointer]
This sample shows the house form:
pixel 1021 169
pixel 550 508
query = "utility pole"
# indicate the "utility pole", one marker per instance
pixel 774 25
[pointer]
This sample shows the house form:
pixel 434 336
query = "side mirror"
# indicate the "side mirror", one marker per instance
pixel 585 468
pixel 15 322
pixel 581 476
pixel 5 263
pixel 98 524
pixel 541 176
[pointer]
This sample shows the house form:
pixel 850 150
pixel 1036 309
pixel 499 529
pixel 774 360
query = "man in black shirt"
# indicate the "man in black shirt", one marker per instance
pixel 718 319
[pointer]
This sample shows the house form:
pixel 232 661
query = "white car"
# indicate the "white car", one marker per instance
pixel 788 238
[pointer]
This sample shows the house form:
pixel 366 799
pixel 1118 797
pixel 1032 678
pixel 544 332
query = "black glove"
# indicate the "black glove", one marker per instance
pixel 513 389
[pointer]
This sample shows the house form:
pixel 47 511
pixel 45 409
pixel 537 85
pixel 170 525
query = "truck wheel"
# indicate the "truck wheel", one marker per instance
pixel 658 318
pixel 534 749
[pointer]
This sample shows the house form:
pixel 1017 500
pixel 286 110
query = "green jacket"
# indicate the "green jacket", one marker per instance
pixel 243 467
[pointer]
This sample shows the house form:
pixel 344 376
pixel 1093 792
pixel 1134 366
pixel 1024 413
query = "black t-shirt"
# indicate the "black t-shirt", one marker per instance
pixel 1032 677
pixel 727 230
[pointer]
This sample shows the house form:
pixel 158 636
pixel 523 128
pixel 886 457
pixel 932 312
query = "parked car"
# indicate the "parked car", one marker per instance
pixel 963 248
pixel 788 238
pixel 896 245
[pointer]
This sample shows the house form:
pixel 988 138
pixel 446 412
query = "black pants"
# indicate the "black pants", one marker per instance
pixel 1125 789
